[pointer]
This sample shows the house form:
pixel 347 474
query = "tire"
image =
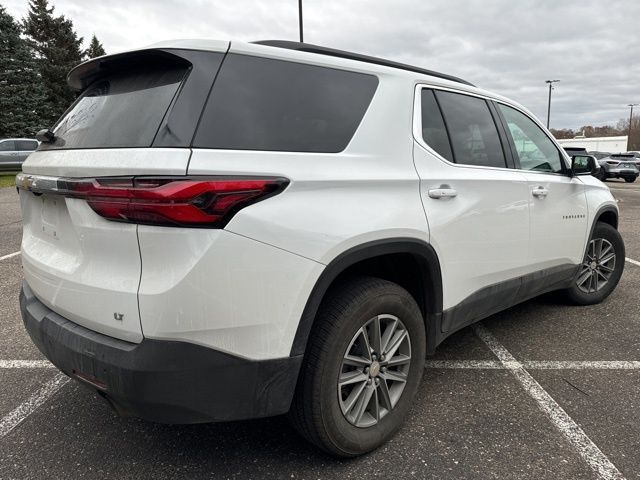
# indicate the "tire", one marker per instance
pixel 630 179
pixel 348 311
pixel 590 286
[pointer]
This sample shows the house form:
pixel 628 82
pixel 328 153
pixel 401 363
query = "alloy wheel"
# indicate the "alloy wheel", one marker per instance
pixel 374 370
pixel 597 267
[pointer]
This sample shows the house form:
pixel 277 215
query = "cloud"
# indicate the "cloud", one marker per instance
pixel 506 46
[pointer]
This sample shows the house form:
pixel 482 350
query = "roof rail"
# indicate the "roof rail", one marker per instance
pixel 308 47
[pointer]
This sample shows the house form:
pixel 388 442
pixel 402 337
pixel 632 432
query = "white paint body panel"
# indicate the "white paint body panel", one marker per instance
pixel 222 290
pixel 481 236
pixel 559 221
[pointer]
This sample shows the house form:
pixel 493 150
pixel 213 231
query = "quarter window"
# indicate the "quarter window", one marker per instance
pixel 533 147
pixel 265 104
pixel 473 132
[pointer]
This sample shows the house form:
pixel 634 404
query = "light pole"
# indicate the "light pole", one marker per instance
pixel 630 120
pixel 300 20
pixel 550 82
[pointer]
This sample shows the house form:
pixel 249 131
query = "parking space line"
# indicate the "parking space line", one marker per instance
pixel 11 255
pixel 531 364
pixel 25 364
pixel 580 365
pixel 631 260
pixel 463 364
pixel 22 411
pixel 588 450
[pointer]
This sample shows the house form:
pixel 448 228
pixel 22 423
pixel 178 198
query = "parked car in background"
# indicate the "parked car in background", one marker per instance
pixel 629 156
pixel 619 165
pixel 14 151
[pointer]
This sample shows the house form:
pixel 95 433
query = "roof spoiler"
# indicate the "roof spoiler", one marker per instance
pixel 83 75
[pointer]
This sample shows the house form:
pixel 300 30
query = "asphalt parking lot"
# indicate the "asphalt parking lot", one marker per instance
pixel 543 390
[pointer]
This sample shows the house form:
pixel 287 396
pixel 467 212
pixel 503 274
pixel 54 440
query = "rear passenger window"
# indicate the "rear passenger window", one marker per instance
pixel 534 148
pixel 473 132
pixel 26 145
pixel 434 131
pixel 265 104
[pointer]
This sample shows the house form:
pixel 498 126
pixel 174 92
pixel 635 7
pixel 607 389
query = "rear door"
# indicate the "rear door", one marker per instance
pixel 78 263
pixel 557 201
pixel 476 205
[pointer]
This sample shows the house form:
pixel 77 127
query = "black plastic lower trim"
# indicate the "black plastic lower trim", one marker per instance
pixel 162 381
pixel 500 296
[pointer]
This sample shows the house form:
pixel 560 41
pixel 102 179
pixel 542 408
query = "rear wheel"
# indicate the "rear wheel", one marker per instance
pixel 630 179
pixel 362 367
pixel 601 268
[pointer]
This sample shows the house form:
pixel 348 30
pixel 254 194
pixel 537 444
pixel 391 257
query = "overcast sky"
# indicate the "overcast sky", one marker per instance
pixel 508 46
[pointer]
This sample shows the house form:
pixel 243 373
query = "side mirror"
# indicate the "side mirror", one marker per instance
pixel 584 165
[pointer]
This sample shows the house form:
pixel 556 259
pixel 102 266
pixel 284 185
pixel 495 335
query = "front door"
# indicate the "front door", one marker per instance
pixel 557 201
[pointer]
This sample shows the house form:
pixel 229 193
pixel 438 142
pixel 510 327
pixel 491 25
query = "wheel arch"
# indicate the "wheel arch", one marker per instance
pixel 411 263
pixel 607 214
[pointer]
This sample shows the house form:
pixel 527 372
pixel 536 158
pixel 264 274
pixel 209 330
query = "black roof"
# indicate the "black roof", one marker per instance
pixel 308 47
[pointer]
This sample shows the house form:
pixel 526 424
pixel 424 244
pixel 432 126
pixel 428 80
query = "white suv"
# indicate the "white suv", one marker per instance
pixel 218 231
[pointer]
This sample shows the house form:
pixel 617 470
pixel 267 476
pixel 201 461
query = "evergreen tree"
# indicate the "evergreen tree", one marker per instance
pixel 22 97
pixel 95 48
pixel 58 49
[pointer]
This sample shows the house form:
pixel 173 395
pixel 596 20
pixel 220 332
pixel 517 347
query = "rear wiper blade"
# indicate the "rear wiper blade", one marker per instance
pixel 46 136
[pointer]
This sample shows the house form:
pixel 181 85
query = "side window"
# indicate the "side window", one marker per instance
pixel 26 145
pixel 265 104
pixel 533 147
pixel 473 132
pixel 7 146
pixel 434 131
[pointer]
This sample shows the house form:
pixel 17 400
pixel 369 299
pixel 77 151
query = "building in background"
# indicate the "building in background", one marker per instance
pixel 597 144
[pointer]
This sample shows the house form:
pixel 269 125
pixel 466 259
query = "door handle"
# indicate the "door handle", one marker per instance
pixel 540 192
pixel 443 192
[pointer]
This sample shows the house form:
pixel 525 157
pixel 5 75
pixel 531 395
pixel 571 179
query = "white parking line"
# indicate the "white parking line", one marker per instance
pixel 532 365
pixel 588 450
pixel 25 364
pixel 11 255
pixel 581 365
pixel 631 260
pixel 463 364
pixel 22 411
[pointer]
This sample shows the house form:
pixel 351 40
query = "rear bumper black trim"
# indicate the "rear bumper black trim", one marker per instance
pixel 162 381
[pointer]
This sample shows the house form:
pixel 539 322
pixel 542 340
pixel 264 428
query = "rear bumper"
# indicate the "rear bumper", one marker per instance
pixel 622 174
pixel 162 381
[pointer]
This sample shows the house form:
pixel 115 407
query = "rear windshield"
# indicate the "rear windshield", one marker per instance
pixel 120 110
pixel 265 104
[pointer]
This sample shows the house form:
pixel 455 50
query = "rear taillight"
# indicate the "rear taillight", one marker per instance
pixel 171 201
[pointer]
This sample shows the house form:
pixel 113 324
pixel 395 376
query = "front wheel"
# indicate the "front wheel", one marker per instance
pixel 601 268
pixel 630 179
pixel 362 367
